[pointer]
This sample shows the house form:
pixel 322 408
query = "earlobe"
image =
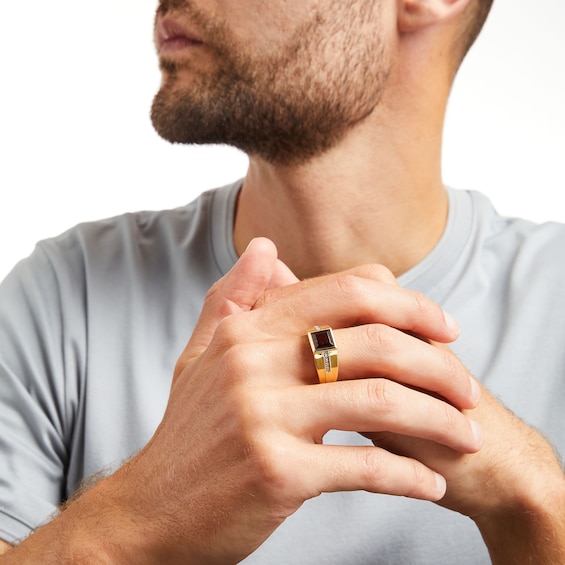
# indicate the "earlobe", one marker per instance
pixel 416 14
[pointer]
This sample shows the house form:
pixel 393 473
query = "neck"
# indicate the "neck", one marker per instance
pixel 367 201
pixel 377 197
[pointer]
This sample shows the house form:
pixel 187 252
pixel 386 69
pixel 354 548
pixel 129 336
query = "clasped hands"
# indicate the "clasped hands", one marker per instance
pixel 240 447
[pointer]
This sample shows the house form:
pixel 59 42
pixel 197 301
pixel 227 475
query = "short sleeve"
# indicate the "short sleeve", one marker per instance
pixel 36 402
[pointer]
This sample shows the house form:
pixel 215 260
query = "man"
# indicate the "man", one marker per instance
pixel 250 454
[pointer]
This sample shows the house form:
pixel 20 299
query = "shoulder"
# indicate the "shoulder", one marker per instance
pixel 517 239
pixel 116 258
pixel 141 242
pixel 524 260
pixel 106 236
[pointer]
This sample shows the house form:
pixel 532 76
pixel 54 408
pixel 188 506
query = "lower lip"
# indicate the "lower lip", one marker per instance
pixel 177 44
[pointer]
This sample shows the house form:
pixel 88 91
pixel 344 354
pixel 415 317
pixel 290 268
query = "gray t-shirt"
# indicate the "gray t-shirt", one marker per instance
pixel 92 323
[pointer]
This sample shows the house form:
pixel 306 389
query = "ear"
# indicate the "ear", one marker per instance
pixel 416 14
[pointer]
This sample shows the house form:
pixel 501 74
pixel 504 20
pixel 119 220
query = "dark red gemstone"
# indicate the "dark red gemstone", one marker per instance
pixel 323 339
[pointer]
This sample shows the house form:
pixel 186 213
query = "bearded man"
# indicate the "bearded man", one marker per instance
pixel 326 398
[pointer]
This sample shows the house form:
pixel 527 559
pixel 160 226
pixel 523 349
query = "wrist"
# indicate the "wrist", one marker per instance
pixel 101 528
pixel 114 526
pixel 531 527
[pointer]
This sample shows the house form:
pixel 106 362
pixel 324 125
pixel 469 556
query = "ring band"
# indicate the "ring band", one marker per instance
pixel 322 342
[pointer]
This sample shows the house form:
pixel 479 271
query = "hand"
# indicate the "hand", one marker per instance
pixel 240 446
pixel 513 488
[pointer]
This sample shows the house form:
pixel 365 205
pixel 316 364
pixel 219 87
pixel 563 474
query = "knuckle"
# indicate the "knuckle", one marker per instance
pixel 379 273
pixel 180 365
pixel 451 366
pixel 378 338
pixel 426 309
pixel 349 285
pixel 269 463
pixel 421 303
pixel 382 397
pixel 238 362
pixel 229 332
pixel 370 466
pixel 251 415
pixel 213 291
pixel 449 417
pixel 420 476
pixel 217 302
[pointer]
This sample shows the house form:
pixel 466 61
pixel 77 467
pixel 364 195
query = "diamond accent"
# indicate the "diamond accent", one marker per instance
pixel 327 362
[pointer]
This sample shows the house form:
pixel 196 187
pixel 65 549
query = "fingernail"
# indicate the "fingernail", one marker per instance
pixel 249 244
pixel 475 389
pixel 477 432
pixel 451 323
pixel 441 485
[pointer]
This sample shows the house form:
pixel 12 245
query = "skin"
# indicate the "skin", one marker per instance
pixel 438 434
pixel 260 93
pixel 261 468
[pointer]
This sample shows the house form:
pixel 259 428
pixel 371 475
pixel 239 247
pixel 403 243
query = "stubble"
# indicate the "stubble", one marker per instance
pixel 285 106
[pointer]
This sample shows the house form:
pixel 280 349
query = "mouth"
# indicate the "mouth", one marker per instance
pixel 171 37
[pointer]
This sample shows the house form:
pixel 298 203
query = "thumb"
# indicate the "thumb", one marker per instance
pixel 282 276
pixel 256 270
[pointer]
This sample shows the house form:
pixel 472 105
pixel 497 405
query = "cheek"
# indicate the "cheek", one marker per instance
pixel 264 25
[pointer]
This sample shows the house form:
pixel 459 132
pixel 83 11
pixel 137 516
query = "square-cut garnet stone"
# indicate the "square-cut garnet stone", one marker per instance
pixel 323 339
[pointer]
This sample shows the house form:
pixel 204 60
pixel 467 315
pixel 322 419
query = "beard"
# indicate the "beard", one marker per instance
pixel 286 106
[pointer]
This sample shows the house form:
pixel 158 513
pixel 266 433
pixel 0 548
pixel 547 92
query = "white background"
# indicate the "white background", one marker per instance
pixel 77 79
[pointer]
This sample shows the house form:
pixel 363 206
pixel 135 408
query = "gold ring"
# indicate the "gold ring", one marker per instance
pixel 322 342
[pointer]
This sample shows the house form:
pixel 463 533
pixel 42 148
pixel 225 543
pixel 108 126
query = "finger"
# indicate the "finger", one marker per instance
pixel 377 405
pixel 377 350
pixel 364 352
pixel 237 291
pixel 348 300
pixel 282 277
pixel 240 289
pixel 377 273
pixel 329 468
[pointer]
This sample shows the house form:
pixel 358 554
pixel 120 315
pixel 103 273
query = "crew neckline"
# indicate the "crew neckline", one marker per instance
pixel 221 225
pixel 434 267
pixel 424 276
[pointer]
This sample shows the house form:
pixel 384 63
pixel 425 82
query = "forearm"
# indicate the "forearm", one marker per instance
pixel 95 529
pixel 533 533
